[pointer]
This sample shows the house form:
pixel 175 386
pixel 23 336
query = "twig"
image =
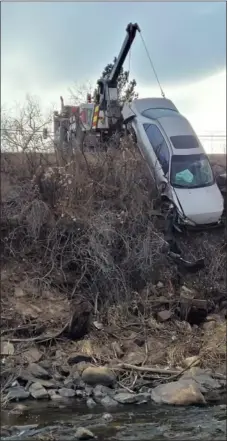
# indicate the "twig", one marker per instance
pixel 40 338
pixel 125 387
pixel 147 369
pixel 19 328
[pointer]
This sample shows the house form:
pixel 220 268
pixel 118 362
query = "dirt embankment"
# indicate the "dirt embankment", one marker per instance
pixel 84 273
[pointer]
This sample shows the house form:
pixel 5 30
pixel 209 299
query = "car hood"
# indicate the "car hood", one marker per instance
pixel 201 205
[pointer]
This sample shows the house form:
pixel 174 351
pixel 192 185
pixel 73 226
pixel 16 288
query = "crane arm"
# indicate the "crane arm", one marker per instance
pixel 131 32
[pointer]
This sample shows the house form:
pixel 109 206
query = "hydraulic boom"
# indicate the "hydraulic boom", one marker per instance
pixel 106 96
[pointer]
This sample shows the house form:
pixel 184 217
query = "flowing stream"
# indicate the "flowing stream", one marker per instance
pixel 51 422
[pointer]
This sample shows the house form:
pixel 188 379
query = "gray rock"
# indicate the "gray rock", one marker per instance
pixel 91 403
pixel 78 383
pixel 17 393
pixel 69 383
pixel 212 389
pixel 56 397
pixel 89 391
pixel 84 434
pixel 125 398
pixel 38 391
pixel 98 375
pixel 38 371
pixel 203 378
pixel 107 417
pixel 52 392
pixel 101 391
pixel 128 398
pixel 49 384
pixel 108 402
pixel 80 393
pixel 66 393
pixel 46 364
pixel 143 397
pixel 181 393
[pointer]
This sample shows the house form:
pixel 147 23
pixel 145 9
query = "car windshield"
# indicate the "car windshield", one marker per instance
pixel 191 171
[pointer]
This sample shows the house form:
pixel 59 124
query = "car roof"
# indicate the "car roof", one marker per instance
pixel 142 104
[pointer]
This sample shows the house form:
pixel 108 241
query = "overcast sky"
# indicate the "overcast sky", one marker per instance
pixel 46 47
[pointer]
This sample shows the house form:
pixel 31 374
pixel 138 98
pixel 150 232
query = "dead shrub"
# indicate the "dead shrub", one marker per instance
pixel 88 228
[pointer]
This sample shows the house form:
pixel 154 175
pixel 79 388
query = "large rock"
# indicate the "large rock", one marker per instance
pixel 38 371
pixel 212 389
pixel 108 402
pixel 38 391
pixel 66 393
pixel 17 394
pixel 101 391
pixel 32 355
pixel 129 398
pixel 98 375
pixel 125 398
pixel 181 393
pixel 84 434
pixel 91 403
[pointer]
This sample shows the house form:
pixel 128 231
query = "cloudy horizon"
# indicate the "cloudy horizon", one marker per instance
pixel 47 47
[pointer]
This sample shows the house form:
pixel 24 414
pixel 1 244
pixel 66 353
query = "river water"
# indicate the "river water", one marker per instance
pixel 132 423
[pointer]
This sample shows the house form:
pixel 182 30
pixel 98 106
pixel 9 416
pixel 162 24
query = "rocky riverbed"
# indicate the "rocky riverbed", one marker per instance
pixel 99 385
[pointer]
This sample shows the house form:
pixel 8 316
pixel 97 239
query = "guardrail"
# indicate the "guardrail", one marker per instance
pixel 214 143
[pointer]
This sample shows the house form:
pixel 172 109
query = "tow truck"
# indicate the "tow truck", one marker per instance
pixel 170 147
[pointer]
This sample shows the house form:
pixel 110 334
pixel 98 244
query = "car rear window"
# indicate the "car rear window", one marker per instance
pixel 158 113
pixel 182 142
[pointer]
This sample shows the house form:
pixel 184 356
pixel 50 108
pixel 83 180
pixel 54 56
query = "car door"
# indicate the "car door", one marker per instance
pixel 155 149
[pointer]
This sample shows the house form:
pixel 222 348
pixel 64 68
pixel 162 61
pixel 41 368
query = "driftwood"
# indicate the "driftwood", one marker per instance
pixel 170 372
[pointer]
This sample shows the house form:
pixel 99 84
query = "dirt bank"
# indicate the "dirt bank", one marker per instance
pixel 85 279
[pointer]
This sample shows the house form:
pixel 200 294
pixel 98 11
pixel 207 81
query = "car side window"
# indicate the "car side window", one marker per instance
pixel 159 145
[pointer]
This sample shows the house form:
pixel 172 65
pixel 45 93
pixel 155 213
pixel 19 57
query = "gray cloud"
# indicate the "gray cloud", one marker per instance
pixel 66 42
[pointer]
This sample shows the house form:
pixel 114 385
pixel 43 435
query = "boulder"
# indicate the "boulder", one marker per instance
pixel 38 391
pixel 17 393
pixel 125 398
pixel 181 393
pixel 107 417
pixel 32 355
pixel 108 402
pixel 212 389
pixel 98 375
pixel 164 315
pixel 39 372
pixel 101 391
pixel 91 403
pixel 66 393
pixel 84 434
pixel 129 398
pixel 80 393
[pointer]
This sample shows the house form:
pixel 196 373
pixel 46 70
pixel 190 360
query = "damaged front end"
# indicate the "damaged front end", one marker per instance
pixel 174 251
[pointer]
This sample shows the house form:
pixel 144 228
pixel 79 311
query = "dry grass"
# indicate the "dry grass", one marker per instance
pixel 88 231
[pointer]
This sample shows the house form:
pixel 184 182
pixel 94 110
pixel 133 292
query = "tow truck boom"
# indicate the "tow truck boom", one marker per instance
pixel 106 96
pixel 131 32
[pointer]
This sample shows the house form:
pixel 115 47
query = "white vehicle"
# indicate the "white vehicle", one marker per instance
pixel 176 160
